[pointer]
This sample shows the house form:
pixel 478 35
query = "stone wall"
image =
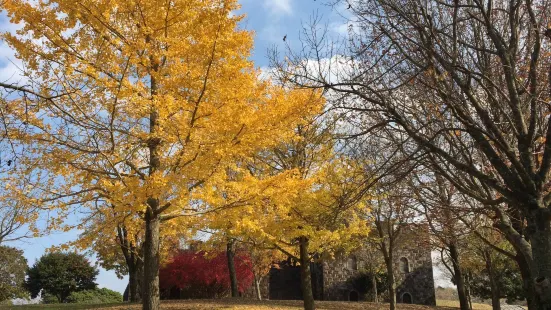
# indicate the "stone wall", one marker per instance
pixel 418 282
pixel 415 282
pixel 336 278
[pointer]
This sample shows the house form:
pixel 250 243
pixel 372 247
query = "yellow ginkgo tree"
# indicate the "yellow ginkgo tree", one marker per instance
pixel 140 105
pixel 312 199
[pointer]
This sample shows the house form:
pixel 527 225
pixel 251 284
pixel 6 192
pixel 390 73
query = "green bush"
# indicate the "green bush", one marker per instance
pixel 95 296
pixel 49 299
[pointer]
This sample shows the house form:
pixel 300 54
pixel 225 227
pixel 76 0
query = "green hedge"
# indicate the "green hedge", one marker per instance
pixel 95 296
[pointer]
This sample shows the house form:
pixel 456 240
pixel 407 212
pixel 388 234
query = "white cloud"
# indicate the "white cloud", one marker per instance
pixel 345 28
pixel 279 6
pixel 339 28
pixel 267 73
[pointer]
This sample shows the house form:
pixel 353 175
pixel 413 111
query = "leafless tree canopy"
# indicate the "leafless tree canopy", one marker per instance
pixel 468 82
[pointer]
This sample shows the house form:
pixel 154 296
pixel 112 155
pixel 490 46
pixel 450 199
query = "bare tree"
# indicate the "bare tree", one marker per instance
pixel 390 213
pixel 468 81
pixel 440 203
pixel 373 263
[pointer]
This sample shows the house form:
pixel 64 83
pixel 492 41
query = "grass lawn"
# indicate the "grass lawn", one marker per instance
pixel 239 304
pixel 58 306
pixel 455 304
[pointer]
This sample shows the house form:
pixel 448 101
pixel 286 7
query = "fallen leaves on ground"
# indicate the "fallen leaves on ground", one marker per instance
pixel 271 304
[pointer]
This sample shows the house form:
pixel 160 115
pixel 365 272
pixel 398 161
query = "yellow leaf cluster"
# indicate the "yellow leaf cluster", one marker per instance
pixel 301 188
pixel 141 106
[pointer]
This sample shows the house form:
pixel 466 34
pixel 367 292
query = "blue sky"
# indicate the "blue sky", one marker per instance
pixel 271 20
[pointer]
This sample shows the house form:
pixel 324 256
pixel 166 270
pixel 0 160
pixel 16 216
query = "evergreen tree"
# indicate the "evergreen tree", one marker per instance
pixel 60 274
pixel 12 273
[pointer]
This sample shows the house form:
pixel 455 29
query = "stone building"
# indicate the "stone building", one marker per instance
pixel 335 279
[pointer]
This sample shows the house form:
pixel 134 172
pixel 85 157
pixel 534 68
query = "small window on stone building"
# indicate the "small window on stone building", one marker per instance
pixel 352 263
pixel 404 265
pixel 407 299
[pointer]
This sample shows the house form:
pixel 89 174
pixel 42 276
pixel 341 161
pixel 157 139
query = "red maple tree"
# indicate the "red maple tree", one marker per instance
pixel 195 275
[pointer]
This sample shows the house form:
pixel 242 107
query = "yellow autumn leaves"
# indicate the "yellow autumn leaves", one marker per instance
pixel 148 107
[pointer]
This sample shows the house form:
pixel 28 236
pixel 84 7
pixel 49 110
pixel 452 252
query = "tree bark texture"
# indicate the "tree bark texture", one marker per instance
pixel 374 287
pixel 230 252
pixel 391 283
pixel 305 275
pixel 257 281
pixel 493 280
pixel 151 295
pixel 459 279
pixel 540 239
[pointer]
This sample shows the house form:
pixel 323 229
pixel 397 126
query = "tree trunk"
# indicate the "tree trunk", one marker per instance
pixel 391 283
pixel 140 268
pixel 133 295
pixel 528 283
pixel 305 275
pixel 494 288
pixel 151 296
pixel 388 255
pixel 512 228
pixel 150 291
pixel 458 276
pixel 468 278
pixel 135 276
pixel 257 286
pixel 374 287
pixel 133 264
pixel 230 252
pixel 540 238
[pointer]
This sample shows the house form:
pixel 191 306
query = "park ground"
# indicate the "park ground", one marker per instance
pixel 234 304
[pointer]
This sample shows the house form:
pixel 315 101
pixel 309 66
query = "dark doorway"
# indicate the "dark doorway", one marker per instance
pixel 406 298
pixel 285 281
pixel 353 296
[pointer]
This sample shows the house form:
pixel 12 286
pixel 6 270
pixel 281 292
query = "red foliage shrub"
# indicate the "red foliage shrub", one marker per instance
pixel 192 275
